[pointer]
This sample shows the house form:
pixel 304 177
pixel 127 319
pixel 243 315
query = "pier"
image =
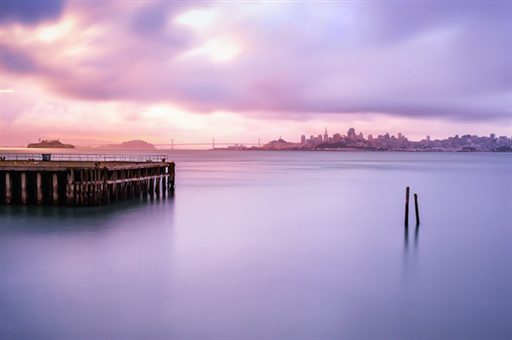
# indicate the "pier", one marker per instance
pixel 81 180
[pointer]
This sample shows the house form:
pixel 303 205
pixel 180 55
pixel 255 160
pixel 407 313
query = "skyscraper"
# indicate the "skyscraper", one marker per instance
pixel 326 136
pixel 303 139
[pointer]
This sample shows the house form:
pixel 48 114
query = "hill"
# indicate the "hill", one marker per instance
pixel 132 144
pixel 49 144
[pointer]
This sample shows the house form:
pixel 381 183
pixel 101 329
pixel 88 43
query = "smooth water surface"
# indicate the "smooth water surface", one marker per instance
pixel 272 245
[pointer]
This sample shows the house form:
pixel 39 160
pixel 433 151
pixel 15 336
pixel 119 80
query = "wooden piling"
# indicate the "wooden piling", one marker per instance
pixel 95 186
pixel 23 188
pixel 114 185
pixel 39 188
pixel 55 189
pixel 70 199
pixel 164 182
pixel 8 188
pixel 416 209
pixel 406 206
pixel 157 183
pixel 105 186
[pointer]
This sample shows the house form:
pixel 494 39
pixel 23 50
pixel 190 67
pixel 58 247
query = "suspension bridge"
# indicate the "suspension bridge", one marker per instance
pixel 176 144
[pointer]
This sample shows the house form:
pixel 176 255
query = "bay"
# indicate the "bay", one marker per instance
pixel 257 244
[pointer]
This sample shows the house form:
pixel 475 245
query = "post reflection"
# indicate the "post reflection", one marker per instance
pixel 406 255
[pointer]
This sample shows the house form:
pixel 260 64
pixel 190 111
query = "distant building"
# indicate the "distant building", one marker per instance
pixel 399 135
pixel 326 136
pixel 336 137
pixel 428 138
pixel 493 136
pixel 370 137
pixel 303 139
pixel 351 133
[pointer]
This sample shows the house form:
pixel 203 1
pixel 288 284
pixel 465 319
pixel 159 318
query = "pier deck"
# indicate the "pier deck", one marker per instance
pixel 82 179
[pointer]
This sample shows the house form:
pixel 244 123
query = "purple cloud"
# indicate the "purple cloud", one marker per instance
pixel 30 12
pixel 435 59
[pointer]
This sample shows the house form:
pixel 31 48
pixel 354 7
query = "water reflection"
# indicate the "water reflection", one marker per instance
pixel 49 219
pixel 416 236
pixel 406 248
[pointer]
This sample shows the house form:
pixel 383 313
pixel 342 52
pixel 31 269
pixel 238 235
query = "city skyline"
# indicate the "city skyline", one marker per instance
pixel 99 73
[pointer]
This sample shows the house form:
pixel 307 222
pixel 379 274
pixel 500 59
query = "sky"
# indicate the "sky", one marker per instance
pixel 97 72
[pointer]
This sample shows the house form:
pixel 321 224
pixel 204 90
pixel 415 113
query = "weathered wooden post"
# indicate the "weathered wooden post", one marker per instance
pixel 164 180
pixel 8 187
pixel 77 192
pixel 407 206
pixel 82 187
pixel 39 188
pixel 157 182
pixel 70 197
pixel 416 209
pixel 55 189
pixel 23 188
pixel 85 186
pixel 114 185
pixel 105 186
pixel 90 189
pixel 95 186
pixel 99 192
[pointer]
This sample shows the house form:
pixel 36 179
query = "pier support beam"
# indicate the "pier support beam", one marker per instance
pixel 8 188
pixel 157 182
pixel 70 192
pixel 39 188
pixel 23 188
pixel 55 189
pixel 114 185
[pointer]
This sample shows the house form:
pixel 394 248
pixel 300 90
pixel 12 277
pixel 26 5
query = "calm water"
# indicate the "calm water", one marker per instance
pixel 272 245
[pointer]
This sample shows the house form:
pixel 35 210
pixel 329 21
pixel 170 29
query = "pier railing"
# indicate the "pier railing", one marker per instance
pixel 81 157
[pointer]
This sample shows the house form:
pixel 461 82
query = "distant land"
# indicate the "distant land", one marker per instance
pixel 50 144
pixel 132 144
pixel 353 141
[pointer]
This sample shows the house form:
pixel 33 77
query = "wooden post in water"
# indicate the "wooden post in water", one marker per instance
pixel 105 186
pixel 114 185
pixel 77 191
pixel 70 197
pixel 416 209
pixel 23 188
pixel 164 182
pixel 55 189
pixel 90 186
pixel 157 182
pixel 39 188
pixel 407 207
pixel 82 187
pixel 8 186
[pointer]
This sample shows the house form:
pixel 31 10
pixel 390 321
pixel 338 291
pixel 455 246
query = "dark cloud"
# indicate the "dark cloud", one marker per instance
pixel 16 61
pixel 30 12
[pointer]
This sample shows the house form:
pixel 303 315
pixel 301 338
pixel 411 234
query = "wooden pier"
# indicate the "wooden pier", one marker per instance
pixel 79 180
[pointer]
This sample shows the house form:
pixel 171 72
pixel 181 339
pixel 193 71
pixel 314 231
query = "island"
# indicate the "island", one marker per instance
pixel 132 144
pixel 50 144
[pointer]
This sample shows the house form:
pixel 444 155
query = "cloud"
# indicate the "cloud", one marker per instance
pixel 292 60
pixel 30 12
pixel 17 61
